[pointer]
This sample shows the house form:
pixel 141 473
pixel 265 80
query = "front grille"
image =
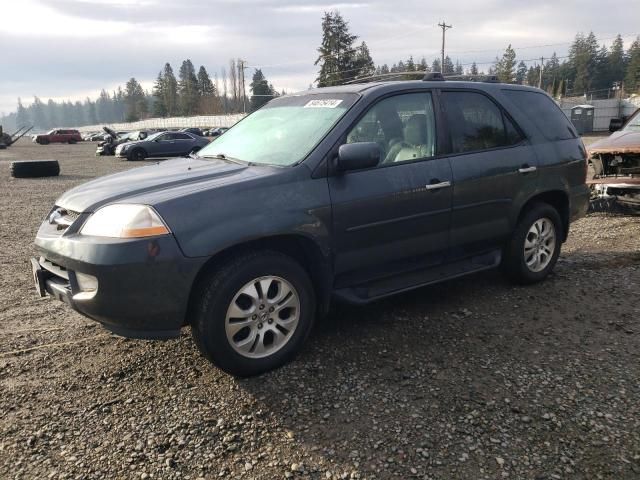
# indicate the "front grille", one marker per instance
pixel 62 218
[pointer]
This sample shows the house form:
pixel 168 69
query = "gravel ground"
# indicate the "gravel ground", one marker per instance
pixel 471 379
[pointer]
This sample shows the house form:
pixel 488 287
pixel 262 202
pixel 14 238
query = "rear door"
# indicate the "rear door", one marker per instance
pixel 493 167
pixel 394 217
pixel 184 143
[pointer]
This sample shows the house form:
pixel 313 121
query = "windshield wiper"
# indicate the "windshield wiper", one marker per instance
pixel 222 156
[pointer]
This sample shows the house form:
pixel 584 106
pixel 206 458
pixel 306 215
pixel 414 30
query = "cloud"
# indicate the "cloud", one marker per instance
pixel 73 48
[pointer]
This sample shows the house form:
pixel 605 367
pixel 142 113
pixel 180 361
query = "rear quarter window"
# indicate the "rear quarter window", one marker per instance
pixel 543 112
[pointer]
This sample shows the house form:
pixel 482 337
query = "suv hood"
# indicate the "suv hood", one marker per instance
pixel 618 142
pixel 151 178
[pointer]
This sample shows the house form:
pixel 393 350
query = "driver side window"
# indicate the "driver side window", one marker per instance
pixel 403 126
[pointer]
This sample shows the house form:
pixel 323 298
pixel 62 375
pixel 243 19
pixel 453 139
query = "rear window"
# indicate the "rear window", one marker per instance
pixel 543 112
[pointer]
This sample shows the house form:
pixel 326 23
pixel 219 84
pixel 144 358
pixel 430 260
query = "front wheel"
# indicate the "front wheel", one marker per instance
pixel 535 245
pixel 253 313
pixel 137 154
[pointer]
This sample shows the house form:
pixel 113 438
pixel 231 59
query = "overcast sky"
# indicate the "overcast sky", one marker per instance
pixel 70 49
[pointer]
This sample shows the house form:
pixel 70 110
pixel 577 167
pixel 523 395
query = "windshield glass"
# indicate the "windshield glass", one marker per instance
pixel 633 124
pixel 284 131
pixel 153 135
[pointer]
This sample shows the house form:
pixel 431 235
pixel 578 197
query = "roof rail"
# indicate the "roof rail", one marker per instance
pixel 384 76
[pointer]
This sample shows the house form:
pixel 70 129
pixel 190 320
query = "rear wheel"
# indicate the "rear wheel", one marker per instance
pixel 253 313
pixel 535 245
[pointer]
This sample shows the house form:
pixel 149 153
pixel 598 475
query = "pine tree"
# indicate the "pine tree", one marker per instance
pixel 22 118
pixel 135 101
pixel 188 88
pixel 336 55
pixel 521 73
pixel 261 91
pixel 616 62
pixel 474 69
pixel 505 67
pixel 170 91
pixel 158 93
pixel 632 77
pixel 364 62
pixel 448 66
pixel 37 113
pixel 582 58
pixel 436 66
pixel 551 74
pixel 423 66
pixel 206 91
pixel 90 109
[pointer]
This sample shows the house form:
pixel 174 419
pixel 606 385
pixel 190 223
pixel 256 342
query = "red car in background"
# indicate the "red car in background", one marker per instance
pixel 58 135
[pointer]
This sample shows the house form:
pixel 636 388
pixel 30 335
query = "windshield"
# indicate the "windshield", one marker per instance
pixel 633 124
pixel 284 131
pixel 153 135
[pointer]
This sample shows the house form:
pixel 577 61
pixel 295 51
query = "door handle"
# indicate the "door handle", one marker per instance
pixel 437 186
pixel 527 169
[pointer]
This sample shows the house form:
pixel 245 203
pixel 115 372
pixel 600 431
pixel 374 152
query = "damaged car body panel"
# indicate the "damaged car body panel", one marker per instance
pixel 615 165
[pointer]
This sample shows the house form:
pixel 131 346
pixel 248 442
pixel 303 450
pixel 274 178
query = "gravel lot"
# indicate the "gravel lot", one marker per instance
pixel 472 379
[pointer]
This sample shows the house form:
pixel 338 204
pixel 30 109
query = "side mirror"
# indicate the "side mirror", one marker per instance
pixel 356 156
pixel 615 124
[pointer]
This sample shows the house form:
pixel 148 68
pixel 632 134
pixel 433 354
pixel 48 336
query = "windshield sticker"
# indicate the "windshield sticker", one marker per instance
pixel 328 103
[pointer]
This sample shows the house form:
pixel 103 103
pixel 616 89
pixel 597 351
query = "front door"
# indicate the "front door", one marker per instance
pixel 394 217
pixel 493 167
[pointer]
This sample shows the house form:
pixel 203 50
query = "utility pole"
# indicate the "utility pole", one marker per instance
pixel 241 68
pixel 444 27
pixel 541 69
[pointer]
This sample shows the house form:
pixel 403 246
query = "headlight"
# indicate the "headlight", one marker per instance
pixel 125 221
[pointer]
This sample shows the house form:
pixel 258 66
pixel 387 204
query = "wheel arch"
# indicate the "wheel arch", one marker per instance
pixel 558 199
pixel 300 247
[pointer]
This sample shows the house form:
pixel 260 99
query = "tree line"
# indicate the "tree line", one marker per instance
pixel 588 67
pixel 191 93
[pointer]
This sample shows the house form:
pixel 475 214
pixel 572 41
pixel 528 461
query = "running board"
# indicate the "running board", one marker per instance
pixel 377 289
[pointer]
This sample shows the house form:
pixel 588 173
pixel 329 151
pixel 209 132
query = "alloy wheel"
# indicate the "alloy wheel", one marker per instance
pixel 262 317
pixel 540 244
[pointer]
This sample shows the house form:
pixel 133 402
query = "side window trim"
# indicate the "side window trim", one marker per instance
pixel 503 111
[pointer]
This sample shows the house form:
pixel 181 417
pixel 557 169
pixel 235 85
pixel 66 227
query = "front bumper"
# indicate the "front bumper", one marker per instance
pixel 143 285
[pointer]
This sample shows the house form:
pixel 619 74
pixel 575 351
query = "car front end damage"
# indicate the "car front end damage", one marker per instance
pixel 615 172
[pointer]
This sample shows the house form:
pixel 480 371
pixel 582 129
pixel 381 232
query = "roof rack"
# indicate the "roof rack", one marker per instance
pixel 427 77
pixel 384 76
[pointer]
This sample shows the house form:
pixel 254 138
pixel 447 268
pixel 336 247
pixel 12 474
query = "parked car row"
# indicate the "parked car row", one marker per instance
pixel 108 136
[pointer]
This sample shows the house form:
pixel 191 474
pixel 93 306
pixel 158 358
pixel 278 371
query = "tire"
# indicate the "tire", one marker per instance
pixel 35 168
pixel 533 265
pixel 220 294
pixel 137 154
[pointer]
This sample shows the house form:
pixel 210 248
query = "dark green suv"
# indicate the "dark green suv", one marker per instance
pixel 352 193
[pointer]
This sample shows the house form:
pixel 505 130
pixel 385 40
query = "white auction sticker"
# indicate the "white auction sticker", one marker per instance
pixel 328 103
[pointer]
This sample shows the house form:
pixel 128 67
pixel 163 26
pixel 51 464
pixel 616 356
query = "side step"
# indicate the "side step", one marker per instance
pixel 377 289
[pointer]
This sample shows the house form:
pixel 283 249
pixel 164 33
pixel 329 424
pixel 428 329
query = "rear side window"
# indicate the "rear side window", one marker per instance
pixel 543 112
pixel 476 123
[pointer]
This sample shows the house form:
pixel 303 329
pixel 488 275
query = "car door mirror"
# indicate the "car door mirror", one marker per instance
pixel 356 156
